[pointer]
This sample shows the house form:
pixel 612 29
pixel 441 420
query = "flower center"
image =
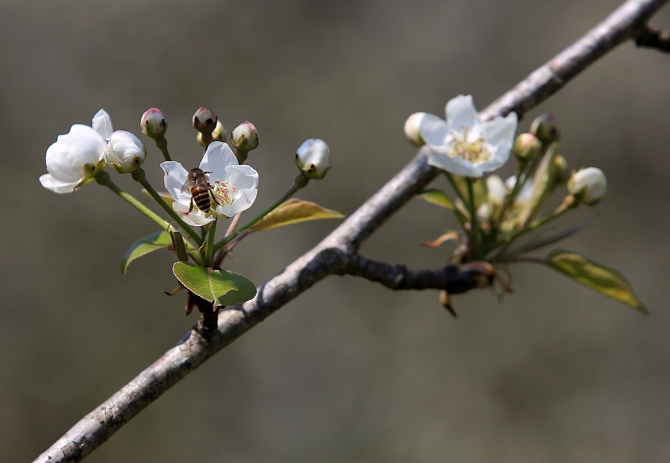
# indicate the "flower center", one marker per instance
pixel 224 193
pixel 473 151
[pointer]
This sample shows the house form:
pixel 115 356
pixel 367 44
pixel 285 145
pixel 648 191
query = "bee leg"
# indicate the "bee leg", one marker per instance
pixel 191 205
pixel 213 198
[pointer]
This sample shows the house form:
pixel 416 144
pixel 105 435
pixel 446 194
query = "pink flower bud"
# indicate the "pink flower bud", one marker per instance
pixel 153 123
pixel 204 120
pixel 245 137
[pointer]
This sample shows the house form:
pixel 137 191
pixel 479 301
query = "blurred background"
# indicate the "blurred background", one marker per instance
pixel 350 371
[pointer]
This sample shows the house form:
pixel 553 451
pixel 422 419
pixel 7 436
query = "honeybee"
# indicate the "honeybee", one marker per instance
pixel 198 185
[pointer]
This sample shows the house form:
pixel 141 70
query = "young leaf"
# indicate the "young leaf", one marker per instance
pixel 543 182
pixel 294 211
pixel 437 197
pixel 597 277
pixel 221 286
pixel 150 243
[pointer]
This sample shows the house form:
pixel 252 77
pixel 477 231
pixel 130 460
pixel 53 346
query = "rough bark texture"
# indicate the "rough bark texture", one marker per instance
pixel 337 253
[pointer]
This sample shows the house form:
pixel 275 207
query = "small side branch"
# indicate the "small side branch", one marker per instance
pixel 650 38
pixel 399 277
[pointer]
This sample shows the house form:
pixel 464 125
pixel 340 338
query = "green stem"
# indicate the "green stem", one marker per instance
pixel 162 143
pixel 209 253
pixel 140 176
pixel 196 256
pixel 454 186
pixel 474 223
pixel 498 219
pixel 104 179
pixel 297 185
pixel 568 203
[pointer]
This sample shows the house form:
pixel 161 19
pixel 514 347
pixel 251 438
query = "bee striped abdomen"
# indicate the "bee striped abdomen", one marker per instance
pixel 201 197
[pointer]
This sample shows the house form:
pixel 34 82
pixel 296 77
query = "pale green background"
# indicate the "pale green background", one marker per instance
pixel 349 372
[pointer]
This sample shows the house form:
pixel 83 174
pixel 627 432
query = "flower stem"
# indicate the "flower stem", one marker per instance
pixel 568 203
pixel 140 176
pixel 209 253
pixel 474 223
pixel 297 185
pixel 454 186
pixel 234 223
pixel 104 179
pixel 162 143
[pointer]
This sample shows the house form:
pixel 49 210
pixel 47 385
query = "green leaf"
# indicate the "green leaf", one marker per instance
pixel 438 197
pixel 153 242
pixel 294 211
pixel 221 286
pixel 597 277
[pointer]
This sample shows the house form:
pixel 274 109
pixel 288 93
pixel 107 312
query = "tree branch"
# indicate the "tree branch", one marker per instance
pixel 337 253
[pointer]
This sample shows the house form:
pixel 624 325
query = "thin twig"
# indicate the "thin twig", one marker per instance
pixel 233 224
pixel 335 253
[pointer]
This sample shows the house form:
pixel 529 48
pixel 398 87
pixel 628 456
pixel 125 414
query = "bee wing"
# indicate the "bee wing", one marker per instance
pixel 185 187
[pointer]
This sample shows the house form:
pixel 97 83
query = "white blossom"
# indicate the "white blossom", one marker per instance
pixel 463 144
pixel 125 151
pixel 73 157
pixel 233 187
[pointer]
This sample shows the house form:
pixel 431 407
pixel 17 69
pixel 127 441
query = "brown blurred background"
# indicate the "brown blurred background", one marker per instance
pixel 350 371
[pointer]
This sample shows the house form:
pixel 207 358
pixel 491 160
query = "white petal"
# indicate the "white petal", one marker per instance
pixel 66 158
pixel 461 112
pixel 434 131
pixel 242 177
pixel 217 157
pixel 196 217
pixel 499 156
pixel 175 178
pixel 242 203
pixel 500 128
pixel 102 124
pixel 457 165
pixel 57 186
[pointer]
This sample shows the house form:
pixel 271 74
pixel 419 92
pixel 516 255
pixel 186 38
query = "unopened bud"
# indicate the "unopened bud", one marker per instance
pixel 527 147
pixel 496 189
pixel 561 172
pixel 219 133
pixel 412 126
pixel 312 158
pixel 153 123
pixel 245 137
pixel 546 129
pixel 588 185
pixel 125 152
pixel 204 120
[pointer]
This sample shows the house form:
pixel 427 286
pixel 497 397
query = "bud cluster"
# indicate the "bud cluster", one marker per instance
pixel 493 212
